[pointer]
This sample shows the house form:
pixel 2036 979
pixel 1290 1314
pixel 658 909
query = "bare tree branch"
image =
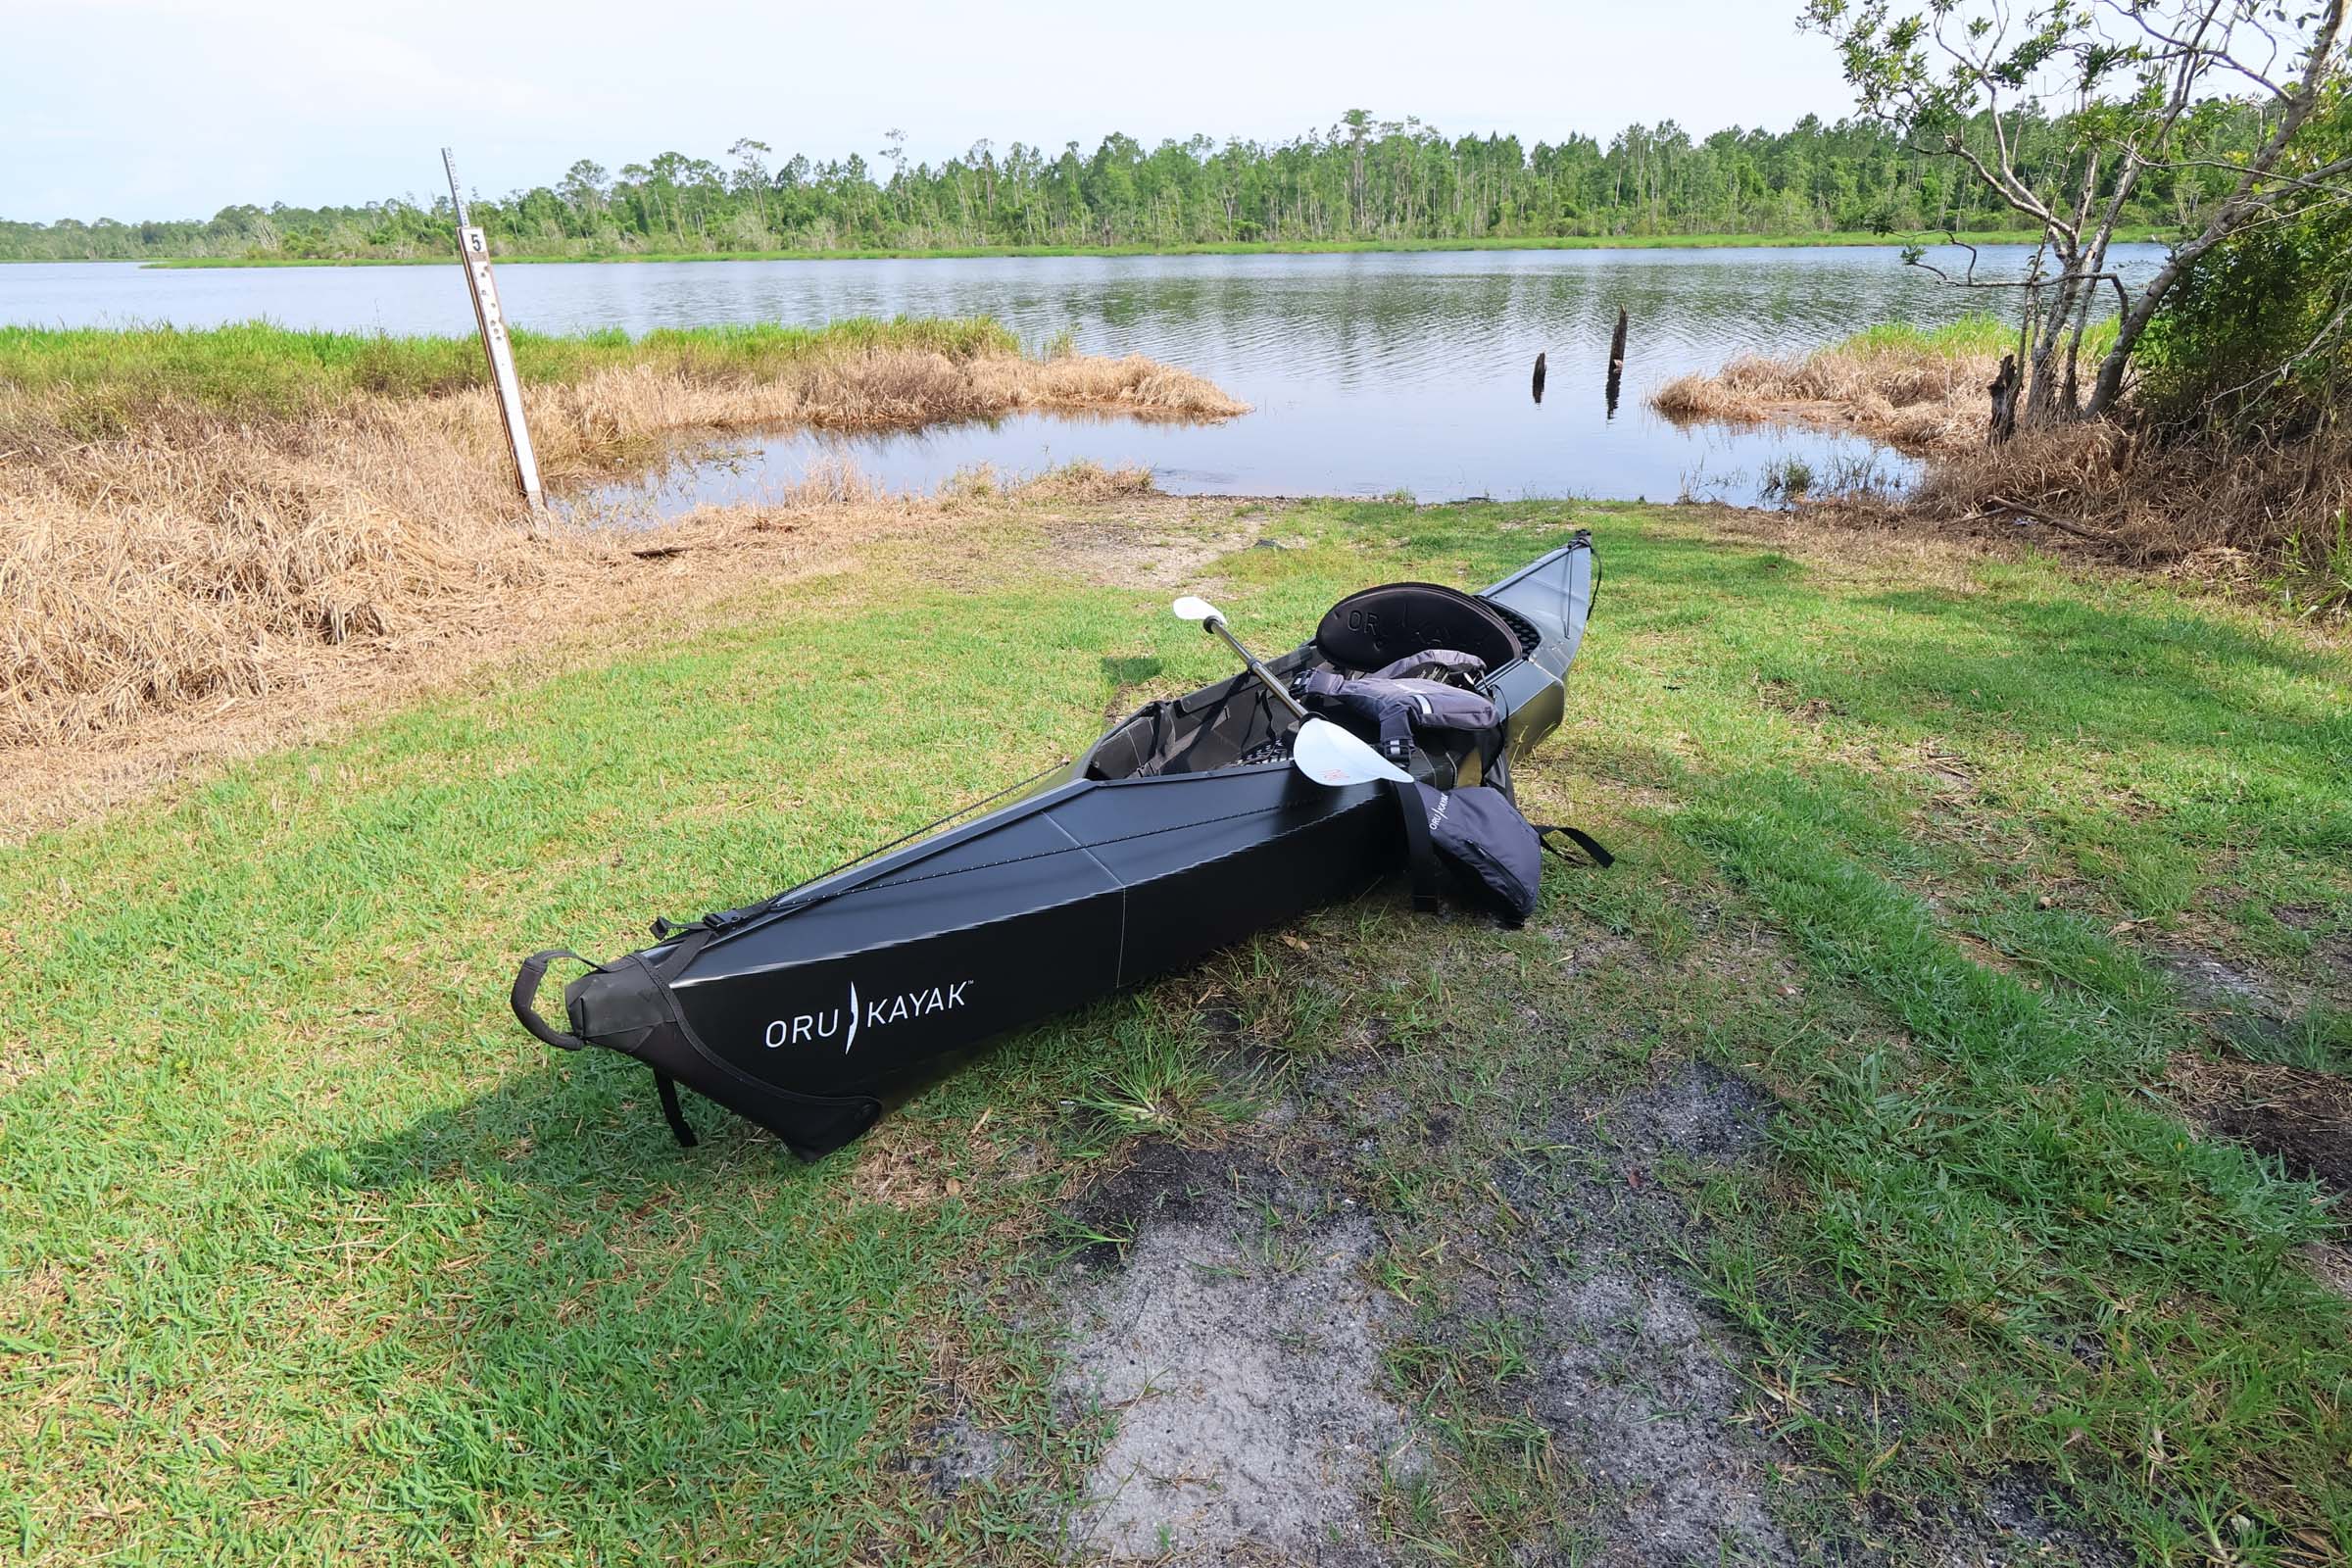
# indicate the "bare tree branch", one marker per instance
pixel 2316 179
pixel 2195 44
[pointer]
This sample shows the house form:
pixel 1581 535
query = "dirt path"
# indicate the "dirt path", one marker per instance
pixel 1568 1378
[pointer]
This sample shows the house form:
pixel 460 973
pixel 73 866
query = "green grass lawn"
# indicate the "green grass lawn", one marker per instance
pixel 307 1253
pixel 258 367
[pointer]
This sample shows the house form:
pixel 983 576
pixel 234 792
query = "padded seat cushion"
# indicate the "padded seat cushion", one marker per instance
pixel 1379 625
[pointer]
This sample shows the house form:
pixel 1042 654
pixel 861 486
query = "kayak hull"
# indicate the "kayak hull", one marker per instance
pixel 796 1012
pixel 1097 885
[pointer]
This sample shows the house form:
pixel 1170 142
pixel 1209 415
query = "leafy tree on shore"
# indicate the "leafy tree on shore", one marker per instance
pixel 2209 106
pixel 2257 335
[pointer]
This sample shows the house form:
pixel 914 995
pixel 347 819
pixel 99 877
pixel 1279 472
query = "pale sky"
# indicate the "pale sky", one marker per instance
pixel 134 109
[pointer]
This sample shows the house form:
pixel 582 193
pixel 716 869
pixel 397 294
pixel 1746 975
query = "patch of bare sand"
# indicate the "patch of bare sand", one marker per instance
pixel 1224 1325
pixel 1247 1385
pixel 1641 1390
pixel 1165 546
pixel 1630 1372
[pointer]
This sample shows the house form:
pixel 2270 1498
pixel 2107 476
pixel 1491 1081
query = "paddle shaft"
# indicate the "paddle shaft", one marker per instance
pixel 1217 628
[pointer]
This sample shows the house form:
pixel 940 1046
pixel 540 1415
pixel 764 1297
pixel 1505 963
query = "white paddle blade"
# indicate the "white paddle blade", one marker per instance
pixel 1190 608
pixel 1329 755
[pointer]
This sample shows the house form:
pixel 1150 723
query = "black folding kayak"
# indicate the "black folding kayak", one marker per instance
pixel 1183 829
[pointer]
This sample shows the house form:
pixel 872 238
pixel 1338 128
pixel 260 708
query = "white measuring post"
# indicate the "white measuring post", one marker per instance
pixel 475 251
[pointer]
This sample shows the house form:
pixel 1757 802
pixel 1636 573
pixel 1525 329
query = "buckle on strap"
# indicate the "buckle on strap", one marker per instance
pixel 716 920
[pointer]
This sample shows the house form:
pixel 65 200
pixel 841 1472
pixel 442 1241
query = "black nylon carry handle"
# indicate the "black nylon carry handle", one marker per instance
pixel 527 987
pixel 1592 847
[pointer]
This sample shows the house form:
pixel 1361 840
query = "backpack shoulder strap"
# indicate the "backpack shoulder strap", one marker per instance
pixel 1594 850
pixel 1419 858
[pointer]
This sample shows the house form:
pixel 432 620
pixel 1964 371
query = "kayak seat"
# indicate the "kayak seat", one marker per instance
pixel 1233 723
pixel 1379 625
pixel 1131 745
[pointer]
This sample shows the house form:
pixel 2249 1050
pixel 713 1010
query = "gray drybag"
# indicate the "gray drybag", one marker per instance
pixel 1404 697
pixel 1494 853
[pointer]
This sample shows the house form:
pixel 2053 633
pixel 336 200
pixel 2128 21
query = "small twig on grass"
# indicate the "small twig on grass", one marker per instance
pixel 2039 515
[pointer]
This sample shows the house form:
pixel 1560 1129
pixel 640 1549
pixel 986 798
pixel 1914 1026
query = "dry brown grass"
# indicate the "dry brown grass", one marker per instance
pixel 1086 481
pixel 607 418
pixel 203 556
pixel 1922 399
pixel 2205 504
pixel 567 594
pixel 2213 506
pixel 701 570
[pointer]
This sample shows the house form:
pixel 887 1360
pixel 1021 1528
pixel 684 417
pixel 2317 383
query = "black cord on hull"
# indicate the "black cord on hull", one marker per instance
pixel 663 929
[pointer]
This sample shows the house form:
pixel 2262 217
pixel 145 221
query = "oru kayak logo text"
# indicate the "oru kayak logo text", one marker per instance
pixel 877 1013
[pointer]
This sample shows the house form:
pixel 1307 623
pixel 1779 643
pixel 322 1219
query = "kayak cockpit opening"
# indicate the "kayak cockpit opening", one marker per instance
pixel 1238 722
pixel 1235 723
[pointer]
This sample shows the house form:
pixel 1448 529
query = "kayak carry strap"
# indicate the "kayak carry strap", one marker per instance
pixel 1592 847
pixel 667 1088
pixel 522 1000
pixel 526 988
pixel 1420 858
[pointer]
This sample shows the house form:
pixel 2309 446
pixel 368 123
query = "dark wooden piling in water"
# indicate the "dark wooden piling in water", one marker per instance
pixel 1616 360
pixel 1538 377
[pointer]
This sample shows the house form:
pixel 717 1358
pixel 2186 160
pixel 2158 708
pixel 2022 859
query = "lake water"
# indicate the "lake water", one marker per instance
pixel 1368 373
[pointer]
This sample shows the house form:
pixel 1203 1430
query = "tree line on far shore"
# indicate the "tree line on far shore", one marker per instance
pixel 1365 180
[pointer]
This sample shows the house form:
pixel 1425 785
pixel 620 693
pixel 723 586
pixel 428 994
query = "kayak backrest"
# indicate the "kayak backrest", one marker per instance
pixel 1379 625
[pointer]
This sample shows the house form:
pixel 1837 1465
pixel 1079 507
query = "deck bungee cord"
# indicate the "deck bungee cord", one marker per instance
pixel 663 929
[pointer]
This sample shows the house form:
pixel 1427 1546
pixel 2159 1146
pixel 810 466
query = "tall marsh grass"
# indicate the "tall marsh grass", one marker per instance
pixel 254 367
pixel 2148 496
pixel 191 515
pixel 1921 389
pixel 1978 333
